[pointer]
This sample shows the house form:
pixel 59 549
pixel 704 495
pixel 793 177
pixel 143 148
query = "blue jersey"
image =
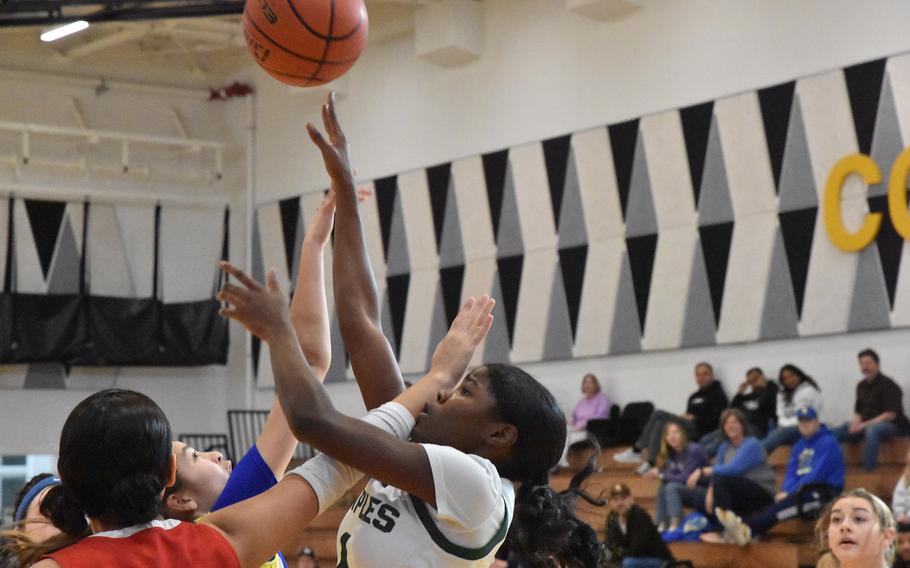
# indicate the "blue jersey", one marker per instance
pixel 250 477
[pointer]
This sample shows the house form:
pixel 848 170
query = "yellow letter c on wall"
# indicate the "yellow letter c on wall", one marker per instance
pixel 834 222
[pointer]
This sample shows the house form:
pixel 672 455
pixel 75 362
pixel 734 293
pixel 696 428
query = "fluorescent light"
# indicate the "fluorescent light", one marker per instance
pixel 64 30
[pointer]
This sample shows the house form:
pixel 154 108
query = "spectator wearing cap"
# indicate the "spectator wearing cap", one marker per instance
pixel 815 475
pixel 878 413
pixel 902 546
pixel 632 538
pixel 306 558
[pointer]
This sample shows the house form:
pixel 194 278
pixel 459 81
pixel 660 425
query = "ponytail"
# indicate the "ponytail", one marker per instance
pixel 64 513
pixel 546 531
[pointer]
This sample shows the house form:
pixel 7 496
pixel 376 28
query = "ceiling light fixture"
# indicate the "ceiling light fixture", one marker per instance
pixel 64 30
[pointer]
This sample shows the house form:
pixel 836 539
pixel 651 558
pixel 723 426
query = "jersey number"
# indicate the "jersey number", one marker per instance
pixel 343 560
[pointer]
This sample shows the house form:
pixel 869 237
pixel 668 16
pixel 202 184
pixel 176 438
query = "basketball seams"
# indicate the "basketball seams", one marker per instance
pixel 319 62
pixel 328 42
pixel 320 35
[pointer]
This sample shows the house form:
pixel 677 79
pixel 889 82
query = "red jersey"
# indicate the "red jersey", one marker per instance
pixel 162 544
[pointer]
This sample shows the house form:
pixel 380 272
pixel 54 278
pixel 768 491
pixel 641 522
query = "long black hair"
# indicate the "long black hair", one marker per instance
pixel 803 378
pixel 545 528
pixel 115 449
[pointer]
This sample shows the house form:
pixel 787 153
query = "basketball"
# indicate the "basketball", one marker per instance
pixel 305 42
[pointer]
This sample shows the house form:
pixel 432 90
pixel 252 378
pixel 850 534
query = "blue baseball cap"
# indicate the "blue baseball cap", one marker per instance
pixel 806 413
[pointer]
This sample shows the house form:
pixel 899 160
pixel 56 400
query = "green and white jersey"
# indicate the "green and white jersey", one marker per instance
pixel 388 528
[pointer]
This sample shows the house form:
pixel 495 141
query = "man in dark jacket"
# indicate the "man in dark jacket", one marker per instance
pixel 702 417
pixel 632 538
pixel 757 398
pixel 878 413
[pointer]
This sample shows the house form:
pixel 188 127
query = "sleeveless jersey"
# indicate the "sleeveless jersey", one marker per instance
pixel 163 544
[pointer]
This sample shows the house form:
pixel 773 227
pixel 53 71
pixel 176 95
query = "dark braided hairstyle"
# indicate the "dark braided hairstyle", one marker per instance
pixel 545 529
pixel 115 449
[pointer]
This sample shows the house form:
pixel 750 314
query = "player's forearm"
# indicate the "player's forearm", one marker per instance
pixel 309 313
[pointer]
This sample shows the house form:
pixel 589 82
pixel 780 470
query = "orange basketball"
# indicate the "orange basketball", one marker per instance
pixel 305 42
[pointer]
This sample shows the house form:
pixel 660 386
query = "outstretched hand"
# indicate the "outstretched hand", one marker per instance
pixel 469 328
pixel 335 150
pixel 262 310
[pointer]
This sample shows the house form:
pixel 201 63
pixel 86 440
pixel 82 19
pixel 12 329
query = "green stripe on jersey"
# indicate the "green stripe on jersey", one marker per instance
pixel 423 513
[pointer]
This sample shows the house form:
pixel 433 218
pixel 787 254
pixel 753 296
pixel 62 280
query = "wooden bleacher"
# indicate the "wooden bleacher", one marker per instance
pixel 788 545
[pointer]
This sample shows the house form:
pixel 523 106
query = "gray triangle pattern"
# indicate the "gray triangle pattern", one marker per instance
pixel 451 248
pixel 714 203
pixel 797 183
pixel 698 327
pixel 508 239
pixel 45 376
pixel 496 347
pixel 438 322
pixel 398 261
pixel 887 142
pixel 63 277
pixel 337 367
pixel 625 333
pixel 869 308
pixel 572 229
pixel 780 318
pixel 641 218
pixel 298 243
pixel 558 342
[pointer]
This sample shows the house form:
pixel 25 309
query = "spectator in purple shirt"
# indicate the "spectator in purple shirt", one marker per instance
pixel 594 404
pixel 677 459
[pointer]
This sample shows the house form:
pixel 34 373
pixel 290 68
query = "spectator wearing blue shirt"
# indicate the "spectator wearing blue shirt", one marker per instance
pixel 815 475
pixel 741 479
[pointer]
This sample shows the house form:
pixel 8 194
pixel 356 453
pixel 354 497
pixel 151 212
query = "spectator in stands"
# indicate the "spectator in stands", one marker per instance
pixel 797 389
pixel 900 497
pixel 741 479
pixel 902 547
pixel 858 530
pixel 306 558
pixel 594 404
pixel 677 459
pixel 878 413
pixel 631 536
pixel 815 475
pixel 702 412
pixel 757 398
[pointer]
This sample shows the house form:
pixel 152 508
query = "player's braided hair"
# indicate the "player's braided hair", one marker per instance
pixel 545 528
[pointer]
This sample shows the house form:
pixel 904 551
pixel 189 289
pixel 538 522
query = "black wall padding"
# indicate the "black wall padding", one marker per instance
pixel 102 331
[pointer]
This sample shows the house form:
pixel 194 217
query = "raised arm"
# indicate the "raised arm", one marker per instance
pixel 356 295
pixel 311 416
pixel 310 318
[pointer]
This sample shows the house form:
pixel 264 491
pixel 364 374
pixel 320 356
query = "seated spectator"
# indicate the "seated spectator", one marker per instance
pixel 878 413
pixel 631 536
pixel 757 398
pixel 797 389
pixel 677 459
pixel 900 497
pixel 815 475
pixel 741 479
pixel 702 412
pixel 593 404
pixel 902 546
pixel 306 558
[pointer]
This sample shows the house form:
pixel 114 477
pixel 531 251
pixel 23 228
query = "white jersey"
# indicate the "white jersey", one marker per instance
pixel 388 528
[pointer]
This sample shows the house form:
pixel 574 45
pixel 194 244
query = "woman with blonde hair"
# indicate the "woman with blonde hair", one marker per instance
pixel 677 459
pixel 856 531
